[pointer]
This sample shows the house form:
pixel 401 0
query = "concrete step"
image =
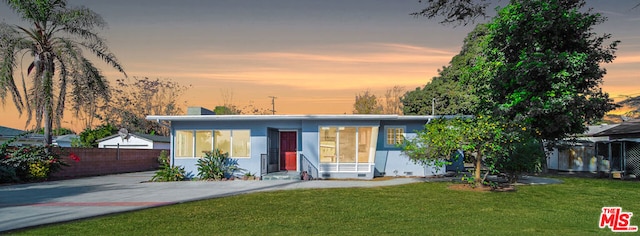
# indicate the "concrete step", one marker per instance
pixel 288 175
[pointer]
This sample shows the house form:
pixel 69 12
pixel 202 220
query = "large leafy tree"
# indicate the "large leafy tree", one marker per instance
pixel 445 94
pixel 54 42
pixel 541 67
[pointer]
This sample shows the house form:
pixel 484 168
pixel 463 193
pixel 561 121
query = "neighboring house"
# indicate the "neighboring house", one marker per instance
pixel 64 140
pixel 7 133
pixel 325 146
pixel 622 148
pixel 579 154
pixel 135 141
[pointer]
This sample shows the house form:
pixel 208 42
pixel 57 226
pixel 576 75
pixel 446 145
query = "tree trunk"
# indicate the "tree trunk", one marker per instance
pixel 47 86
pixel 477 175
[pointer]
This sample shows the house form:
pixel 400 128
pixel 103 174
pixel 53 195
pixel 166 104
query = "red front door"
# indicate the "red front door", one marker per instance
pixel 288 148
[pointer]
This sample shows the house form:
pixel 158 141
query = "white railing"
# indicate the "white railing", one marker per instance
pixel 345 167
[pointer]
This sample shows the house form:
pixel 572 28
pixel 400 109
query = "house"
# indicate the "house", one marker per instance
pixel 579 153
pixel 325 146
pixel 622 149
pixel 135 141
pixel 7 133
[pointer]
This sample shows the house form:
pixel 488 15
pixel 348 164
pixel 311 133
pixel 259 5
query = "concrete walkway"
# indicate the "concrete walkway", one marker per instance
pixel 27 205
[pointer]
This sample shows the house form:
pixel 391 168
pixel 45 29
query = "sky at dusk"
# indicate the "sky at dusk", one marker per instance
pixel 314 56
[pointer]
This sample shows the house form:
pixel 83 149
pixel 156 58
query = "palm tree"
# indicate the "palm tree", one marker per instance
pixel 55 41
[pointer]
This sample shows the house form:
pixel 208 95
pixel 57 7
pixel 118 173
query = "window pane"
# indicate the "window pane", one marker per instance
pixel 390 136
pixel 364 144
pixel 184 143
pixel 399 132
pixel 347 144
pixel 204 142
pixel 241 143
pixel 223 141
pixel 328 145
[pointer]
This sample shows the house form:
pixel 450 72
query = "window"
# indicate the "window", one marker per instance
pixel 190 143
pixel 241 140
pixel 203 142
pixel 184 143
pixel 395 135
pixel 365 143
pixel 328 151
pixel 347 144
pixel 223 141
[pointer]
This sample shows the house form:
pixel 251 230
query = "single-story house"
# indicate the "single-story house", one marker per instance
pixel 7 133
pixel 135 141
pixel 622 148
pixel 325 146
pixel 579 153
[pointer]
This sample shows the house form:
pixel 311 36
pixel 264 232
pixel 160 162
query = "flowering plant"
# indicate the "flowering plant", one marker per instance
pixel 27 163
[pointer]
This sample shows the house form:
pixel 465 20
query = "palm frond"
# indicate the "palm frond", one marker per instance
pixel 10 45
pixel 103 53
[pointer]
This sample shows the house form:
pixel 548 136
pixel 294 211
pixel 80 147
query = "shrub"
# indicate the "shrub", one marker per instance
pixel 27 163
pixel 216 165
pixel 168 172
pixel 526 157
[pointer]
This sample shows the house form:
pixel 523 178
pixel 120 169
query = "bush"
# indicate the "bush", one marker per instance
pixel 216 165
pixel 27 163
pixel 168 172
pixel 525 157
pixel 89 137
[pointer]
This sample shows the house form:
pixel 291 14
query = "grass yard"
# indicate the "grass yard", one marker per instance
pixel 572 208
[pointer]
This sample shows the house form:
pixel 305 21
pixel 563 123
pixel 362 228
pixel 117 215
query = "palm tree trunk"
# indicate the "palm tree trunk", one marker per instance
pixel 47 82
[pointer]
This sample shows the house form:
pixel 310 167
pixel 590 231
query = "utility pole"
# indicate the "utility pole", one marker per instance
pixel 433 107
pixel 273 104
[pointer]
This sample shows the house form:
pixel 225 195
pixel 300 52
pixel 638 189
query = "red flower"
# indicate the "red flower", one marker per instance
pixel 74 157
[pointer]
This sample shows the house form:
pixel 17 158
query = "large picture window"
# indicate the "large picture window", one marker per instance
pixel 347 144
pixel 190 143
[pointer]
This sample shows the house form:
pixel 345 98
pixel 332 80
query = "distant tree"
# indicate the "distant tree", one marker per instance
pixel 252 109
pixel 392 103
pixel 452 96
pixel 56 41
pixel 454 11
pixel 133 101
pixel 541 67
pixel 634 104
pixel 89 137
pixel 56 132
pixel 366 103
pixel 224 110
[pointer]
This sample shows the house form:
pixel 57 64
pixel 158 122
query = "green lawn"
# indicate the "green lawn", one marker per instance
pixel 571 208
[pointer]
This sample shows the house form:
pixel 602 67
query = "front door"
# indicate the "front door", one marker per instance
pixel 288 151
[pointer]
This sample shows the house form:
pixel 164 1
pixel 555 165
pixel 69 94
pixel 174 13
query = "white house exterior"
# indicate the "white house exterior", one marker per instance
pixel 135 141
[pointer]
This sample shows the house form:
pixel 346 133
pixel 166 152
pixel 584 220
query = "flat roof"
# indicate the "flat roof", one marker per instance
pixel 290 117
